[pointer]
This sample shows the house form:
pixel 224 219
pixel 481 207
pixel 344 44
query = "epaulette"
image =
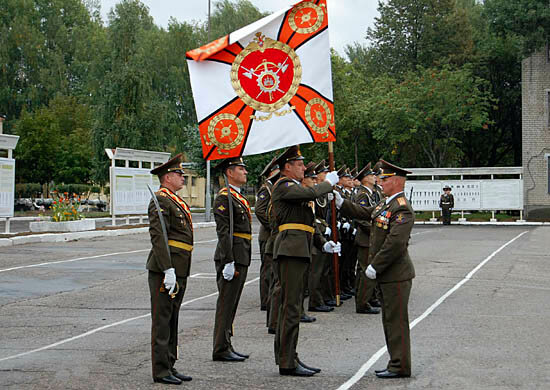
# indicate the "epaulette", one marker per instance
pixel 401 201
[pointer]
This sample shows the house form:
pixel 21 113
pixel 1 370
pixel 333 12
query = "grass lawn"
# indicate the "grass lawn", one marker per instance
pixel 471 217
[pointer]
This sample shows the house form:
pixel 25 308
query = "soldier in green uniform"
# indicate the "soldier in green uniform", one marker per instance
pixel 390 264
pixel 263 199
pixel 232 256
pixel 344 234
pixel 364 286
pixel 292 253
pixel 322 205
pixel 447 203
pixel 319 259
pixel 168 263
pixel 262 210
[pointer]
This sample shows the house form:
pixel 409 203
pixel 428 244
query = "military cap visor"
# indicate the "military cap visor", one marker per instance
pixel 291 154
pixel 446 187
pixel 389 170
pixel 230 162
pixel 321 167
pixel 172 165
pixel 270 167
pixel 310 170
pixel 364 172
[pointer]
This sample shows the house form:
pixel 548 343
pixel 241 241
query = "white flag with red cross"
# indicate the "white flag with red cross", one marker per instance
pixel 267 85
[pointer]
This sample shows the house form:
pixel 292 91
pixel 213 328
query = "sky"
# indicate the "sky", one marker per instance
pixel 348 19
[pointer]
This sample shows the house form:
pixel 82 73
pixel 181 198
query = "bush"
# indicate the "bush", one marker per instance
pixel 70 189
pixel 27 190
pixel 95 189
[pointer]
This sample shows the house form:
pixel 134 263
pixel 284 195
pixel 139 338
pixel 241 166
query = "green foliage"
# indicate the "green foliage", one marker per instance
pixel 55 143
pixel 425 117
pixel 528 20
pixel 71 190
pixel 27 190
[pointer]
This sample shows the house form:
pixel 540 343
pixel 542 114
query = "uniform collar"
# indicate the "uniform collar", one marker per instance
pixel 235 188
pixel 393 196
pixel 367 188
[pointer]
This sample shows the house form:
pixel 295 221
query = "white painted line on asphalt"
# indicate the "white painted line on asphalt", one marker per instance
pixel 91 332
pixel 423 232
pixel 374 358
pixel 87 258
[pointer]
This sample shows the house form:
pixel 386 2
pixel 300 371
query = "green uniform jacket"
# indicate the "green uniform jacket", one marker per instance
pixel 391 226
pixel 262 203
pixel 447 201
pixel 366 199
pixel 241 225
pixel 290 205
pixel 179 229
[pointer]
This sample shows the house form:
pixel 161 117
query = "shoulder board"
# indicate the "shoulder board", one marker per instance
pixel 401 201
pixel 161 194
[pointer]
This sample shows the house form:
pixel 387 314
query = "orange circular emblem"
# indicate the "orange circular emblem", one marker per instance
pixel 306 18
pixel 226 131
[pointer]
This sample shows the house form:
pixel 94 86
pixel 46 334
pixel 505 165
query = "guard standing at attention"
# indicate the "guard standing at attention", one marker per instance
pixel 232 256
pixel 263 199
pixel 447 203
pixel 292 253
pixel 390 264
pixel 365 299
pixel 169 262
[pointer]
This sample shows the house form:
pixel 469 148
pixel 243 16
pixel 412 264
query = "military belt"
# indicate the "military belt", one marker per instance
pixel 179 244
pixel 246 236
pixel 297 226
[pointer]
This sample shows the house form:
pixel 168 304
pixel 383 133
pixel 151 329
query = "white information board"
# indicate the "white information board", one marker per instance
pixel 7 186
pixel 129 190
pixel 505 194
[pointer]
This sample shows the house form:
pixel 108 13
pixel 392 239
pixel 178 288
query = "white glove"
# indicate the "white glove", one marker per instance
pixel 338 198
pixel 332 177
pixel 229 271
pixel 346 226
pixel 354 232
pixel 338 224
pixel 170 280
pixel 332 247
pixel 370 272
pixel 328 231
pixel 330 196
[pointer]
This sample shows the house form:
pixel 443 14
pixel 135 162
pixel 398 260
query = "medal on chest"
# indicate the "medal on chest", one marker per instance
pixel 383 220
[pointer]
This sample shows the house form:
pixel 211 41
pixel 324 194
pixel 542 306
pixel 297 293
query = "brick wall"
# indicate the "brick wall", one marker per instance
pixel 536 134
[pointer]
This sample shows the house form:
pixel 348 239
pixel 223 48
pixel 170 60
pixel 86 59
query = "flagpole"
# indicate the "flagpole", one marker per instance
pixel 208 200
pixel 334 230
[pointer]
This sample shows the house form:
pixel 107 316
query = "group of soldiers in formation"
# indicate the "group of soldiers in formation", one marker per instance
pixel 298 247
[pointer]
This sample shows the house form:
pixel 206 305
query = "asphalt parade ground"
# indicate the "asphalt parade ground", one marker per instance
pixel 75 315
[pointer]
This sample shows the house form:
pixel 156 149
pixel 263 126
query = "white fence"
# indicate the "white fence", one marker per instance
pixel 474 189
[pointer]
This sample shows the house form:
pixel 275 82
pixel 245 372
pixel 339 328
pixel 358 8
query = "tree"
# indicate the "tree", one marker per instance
pixel 422 32
pixel 55 143
pixel 528 20
pixel 424 119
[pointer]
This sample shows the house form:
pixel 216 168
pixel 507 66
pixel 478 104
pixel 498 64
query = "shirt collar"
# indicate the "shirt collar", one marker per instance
pixel 392 197
pixel 235 188
pixel 370 191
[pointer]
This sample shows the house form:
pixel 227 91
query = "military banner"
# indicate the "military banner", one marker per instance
pixel 267 85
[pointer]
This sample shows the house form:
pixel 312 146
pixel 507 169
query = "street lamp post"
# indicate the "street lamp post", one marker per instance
pixel 208 200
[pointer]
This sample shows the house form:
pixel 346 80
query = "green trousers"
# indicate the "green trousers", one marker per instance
pixel 395 319
pixel 164 324
pixel 226 307
pixel 318 267
pixel 291 272
pixel 274 295
pixel 364 287
pixel 265 275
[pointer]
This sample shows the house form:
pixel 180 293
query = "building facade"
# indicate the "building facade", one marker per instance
pixel 536 135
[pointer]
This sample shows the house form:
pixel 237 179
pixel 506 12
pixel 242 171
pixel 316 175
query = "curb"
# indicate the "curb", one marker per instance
pixel 486 223
pixel 63 237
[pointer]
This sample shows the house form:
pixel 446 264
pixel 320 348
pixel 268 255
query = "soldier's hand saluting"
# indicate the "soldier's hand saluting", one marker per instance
pixel 332 177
